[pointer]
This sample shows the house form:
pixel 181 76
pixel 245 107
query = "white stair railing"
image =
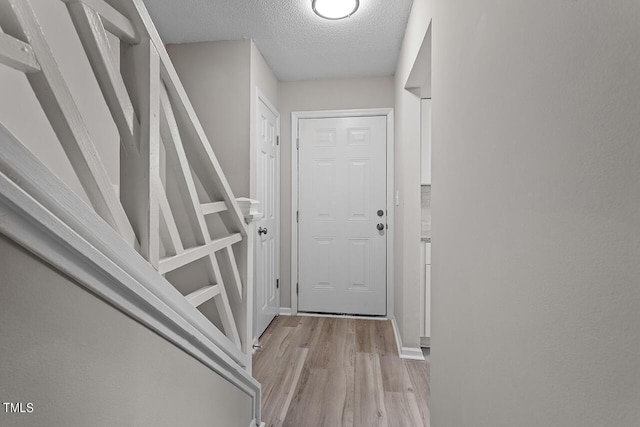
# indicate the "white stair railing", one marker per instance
pixel 23 46
pixel 175 205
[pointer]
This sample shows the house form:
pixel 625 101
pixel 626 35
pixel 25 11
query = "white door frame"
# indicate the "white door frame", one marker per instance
pixel 295 118
pixel 261 97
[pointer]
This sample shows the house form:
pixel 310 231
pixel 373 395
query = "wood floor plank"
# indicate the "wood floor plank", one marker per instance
pixel 308 332
pixel 325 347
pixel 394 373
pixel 365 336
pixel 266 335
pixel 307 405
pixel 370 409
pixel 279 392
pixel 419 375
pixel 384 338
pixel 292 321
pixel 402 409
pixel 272 349
pixel 344 349
pixel 338 372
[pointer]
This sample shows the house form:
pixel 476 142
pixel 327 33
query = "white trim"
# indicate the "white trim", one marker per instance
pixel 261 97
pixel 285 311
pixel 295 117
pixel 45 217
pixel 396 333
pixel 412 353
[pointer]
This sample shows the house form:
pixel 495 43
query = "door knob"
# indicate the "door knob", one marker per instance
pixel 262 230
pixel 380 227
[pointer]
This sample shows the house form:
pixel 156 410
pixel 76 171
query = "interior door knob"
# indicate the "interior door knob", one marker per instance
pixel 262 230
pixel 380 227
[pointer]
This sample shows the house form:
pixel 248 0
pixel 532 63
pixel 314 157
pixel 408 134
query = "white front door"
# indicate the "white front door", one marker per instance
pixel 267 184
pixel 343 215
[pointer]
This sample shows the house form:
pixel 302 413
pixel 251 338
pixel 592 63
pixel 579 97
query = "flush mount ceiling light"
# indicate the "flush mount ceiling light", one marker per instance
pixel 335 9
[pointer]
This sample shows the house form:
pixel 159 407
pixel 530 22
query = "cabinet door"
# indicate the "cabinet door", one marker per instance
pixel 423 308
pixel 425 291
pixel 425 142
pixel 427 301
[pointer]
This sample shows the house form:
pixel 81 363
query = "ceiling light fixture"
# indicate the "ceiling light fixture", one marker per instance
pixel 335 9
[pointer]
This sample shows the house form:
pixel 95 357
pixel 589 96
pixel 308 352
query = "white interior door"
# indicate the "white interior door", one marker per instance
pixel 267 241
pixel 342 215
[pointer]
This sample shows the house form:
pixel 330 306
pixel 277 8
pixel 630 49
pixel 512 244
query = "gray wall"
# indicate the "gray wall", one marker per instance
pixel 216 78
pixel 81 362
pixel 407 180
pixel 312 95
pixel 536 214
pixel 221 79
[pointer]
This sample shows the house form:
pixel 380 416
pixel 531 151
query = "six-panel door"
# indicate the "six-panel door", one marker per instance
pixel 343 216
pixel 268 168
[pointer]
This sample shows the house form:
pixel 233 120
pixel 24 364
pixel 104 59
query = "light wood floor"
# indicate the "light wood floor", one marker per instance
pixel 338 372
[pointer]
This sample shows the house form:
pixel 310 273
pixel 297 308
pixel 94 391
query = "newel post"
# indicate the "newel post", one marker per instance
pixel 250 211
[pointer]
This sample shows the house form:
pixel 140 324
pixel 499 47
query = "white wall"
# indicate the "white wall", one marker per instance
pixel 216 77
pixel 536 214
pixel 82 362
pixel 21 113
pixel 312 95
pixel 407 179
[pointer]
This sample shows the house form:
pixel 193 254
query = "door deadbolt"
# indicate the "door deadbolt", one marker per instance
pixel 380 212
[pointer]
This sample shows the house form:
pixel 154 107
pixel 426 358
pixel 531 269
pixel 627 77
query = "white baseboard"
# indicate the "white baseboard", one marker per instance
pixel 285 311
pixel 413 353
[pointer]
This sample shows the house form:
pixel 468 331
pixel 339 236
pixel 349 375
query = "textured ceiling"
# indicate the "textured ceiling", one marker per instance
pixel 296 43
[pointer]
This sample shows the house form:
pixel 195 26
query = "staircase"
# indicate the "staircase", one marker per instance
pixel 174 216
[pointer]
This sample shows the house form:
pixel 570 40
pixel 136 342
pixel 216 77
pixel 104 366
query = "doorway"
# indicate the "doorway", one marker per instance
pixel 267 246
pixel 343 230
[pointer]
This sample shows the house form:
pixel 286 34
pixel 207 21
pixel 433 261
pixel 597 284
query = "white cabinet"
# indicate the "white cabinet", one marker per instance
pixel 425 142
pixel 425 295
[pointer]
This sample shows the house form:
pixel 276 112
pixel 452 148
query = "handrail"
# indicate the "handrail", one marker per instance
pixel 41 213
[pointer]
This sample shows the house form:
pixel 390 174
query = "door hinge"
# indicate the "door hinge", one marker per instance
pixel 297 216
pixel 297 143
pixel 297 288
pixel 278 140
pixel 277 283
